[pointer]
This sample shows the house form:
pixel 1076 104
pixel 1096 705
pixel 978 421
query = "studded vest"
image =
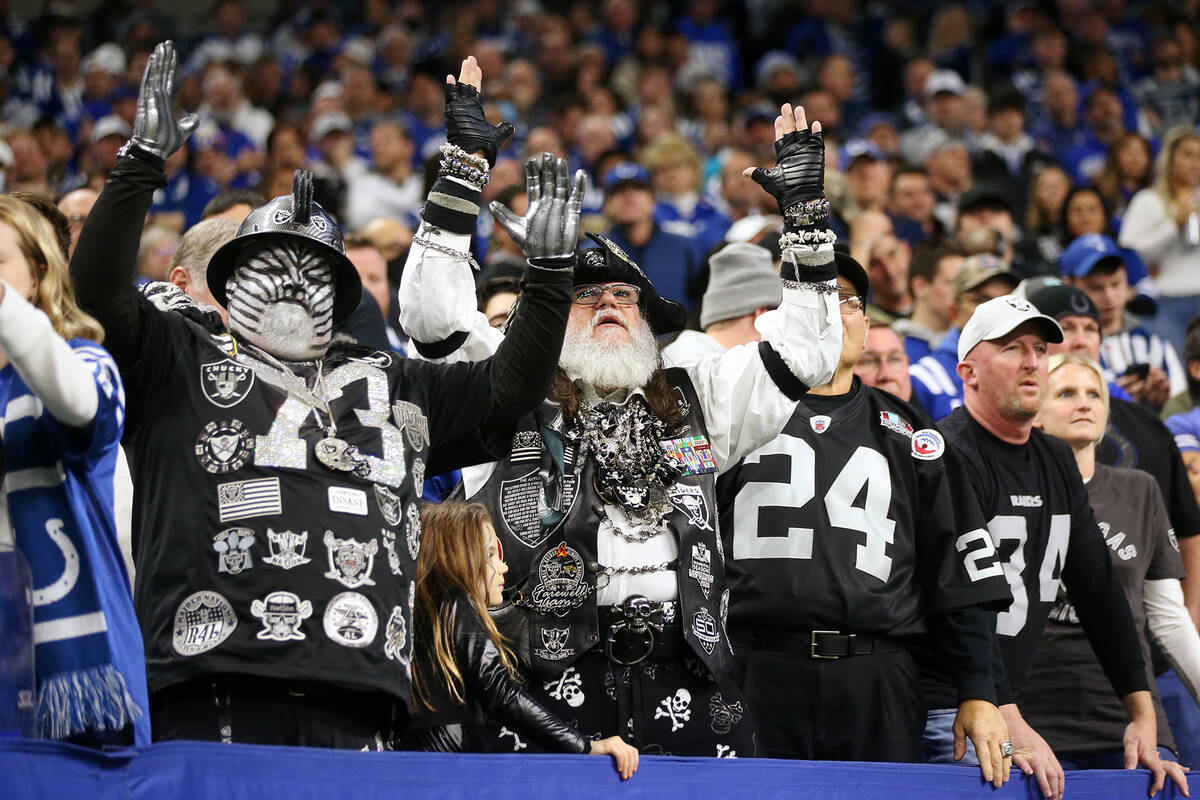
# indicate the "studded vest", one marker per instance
pixel 553 566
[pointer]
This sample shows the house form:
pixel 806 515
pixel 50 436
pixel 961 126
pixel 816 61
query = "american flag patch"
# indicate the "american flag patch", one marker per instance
pixel 256 498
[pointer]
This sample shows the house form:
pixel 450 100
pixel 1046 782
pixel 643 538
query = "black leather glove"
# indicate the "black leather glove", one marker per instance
pixel 550 228
pixel 466 126
pixel 799 171
pixel 155 129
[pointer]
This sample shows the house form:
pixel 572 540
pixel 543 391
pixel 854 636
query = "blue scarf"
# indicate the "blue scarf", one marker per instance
pixel 88 653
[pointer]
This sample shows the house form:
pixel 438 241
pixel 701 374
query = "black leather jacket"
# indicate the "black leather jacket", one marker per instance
pixel 492 696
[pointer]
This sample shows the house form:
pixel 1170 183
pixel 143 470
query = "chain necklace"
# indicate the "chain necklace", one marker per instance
pixel 334 453
pixel 645 569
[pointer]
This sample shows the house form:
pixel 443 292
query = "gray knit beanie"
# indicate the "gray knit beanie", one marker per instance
pixel 742 278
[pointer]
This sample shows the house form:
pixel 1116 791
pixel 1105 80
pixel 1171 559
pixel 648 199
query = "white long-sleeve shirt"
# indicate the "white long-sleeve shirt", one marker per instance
pixel 742 406
pixel 1149 228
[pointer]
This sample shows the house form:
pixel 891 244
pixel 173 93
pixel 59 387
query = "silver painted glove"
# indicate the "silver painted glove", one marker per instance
pixel 550 227
pixel 155 128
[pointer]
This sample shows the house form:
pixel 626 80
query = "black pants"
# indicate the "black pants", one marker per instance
pixel 261 711
pixel 667 706
pixel 861 708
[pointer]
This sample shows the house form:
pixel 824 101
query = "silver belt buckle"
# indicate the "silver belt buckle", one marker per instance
pixel 637 611
pixel 812 641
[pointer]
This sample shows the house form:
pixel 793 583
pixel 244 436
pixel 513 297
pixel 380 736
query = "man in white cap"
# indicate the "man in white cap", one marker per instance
pixel 742 284
pixel 1038 515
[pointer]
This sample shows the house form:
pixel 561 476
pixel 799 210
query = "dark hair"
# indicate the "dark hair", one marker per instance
pixel 57 219
pixel 495 286
pixel 232 197
pixel 1067 235
pixel 927 255
pixel 1006 98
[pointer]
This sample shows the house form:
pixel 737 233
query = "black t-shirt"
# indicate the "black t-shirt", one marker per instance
pixel 1067 698
pixel 1137 439
pixel 1039 517
pixel 254 558
pixel 854 519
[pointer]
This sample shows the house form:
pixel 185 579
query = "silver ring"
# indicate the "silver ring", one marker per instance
pixel 1007 749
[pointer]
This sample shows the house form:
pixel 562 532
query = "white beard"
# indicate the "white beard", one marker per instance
pixel 285 331
pixel 609 364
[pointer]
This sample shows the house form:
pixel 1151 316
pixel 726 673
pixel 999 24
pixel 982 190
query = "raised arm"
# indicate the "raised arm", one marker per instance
pixel 105 258
pixel 749 392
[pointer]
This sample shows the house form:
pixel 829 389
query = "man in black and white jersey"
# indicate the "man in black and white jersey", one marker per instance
pixel 849 536
pixel 1039 517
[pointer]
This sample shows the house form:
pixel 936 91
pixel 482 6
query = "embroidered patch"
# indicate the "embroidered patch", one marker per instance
pixel 1173 539
pixel 389 544
pixel 693 453
pixel 567 687
pixel 233 550
pixel 704 628
pixel 282 614
pixel 345 500
pixel 561 586
pixel 894 422
pixel 396 637
pixel 225 383
pixel 223 446
pixel 409 419
pixel 350 620
pixel 350 561
pixel 700 567
pixel 389 504
pixel 690 500
pixel 523 502
pixel 677 708
pixel 203 621
pixel 819 423
pixel 928 444
pixel 554 642
pixel 254 498
pixel 418 473
pixel 412 531
pixel 287 549
pixel 526 446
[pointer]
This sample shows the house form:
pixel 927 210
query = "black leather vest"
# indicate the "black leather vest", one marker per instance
pixel 553 567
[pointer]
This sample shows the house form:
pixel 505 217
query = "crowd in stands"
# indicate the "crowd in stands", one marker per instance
pixel 973 150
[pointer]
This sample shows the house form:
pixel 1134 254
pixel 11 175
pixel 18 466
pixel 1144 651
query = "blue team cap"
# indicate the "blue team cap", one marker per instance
pixel 1083 254
pixel 628 172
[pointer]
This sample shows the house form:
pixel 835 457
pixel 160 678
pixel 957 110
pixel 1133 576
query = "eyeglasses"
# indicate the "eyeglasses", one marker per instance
pixel 872 362
pixel 852 302
pixel 589 294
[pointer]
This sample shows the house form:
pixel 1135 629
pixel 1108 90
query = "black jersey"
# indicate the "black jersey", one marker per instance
pixel 854 519
pixel 254 558
pixel 1039 517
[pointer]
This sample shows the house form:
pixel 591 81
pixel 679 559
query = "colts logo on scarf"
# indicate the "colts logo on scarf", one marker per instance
pixel 226 383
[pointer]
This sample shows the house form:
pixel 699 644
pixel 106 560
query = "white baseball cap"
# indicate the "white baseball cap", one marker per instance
pixel 999 317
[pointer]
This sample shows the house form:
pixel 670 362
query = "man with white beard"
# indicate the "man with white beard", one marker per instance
pixel 277 472
pixel 605 506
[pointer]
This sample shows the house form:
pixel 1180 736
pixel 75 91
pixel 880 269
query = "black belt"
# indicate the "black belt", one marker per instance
pixel 819 644
pixel 641 629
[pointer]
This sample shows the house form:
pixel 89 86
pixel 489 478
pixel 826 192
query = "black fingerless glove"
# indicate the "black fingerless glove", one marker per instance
pixel 797 181
pixel 466 125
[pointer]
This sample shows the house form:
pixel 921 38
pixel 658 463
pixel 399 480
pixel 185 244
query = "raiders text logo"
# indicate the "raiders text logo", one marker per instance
pixel 226 383
pixel 409 419
pixel 224 445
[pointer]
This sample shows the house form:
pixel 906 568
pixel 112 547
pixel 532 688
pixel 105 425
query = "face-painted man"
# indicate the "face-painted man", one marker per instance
pixel 270 425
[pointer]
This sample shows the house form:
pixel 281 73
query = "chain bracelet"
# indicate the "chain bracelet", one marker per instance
pixel 450 251
pixel 808 213
pixel 807 238
pixel 463 171
pixel 456 153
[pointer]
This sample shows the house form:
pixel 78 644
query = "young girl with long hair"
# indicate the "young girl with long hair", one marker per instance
pixel 61 419
pixel 464 675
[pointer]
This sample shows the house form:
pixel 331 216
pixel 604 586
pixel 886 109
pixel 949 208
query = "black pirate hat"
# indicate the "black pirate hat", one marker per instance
pixel 609 262
pixel 293 215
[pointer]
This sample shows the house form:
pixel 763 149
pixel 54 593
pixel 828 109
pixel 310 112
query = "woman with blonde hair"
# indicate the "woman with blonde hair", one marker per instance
pixel 1157 224
pixel 465 677
pixel 61 419
pixel 1068 699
